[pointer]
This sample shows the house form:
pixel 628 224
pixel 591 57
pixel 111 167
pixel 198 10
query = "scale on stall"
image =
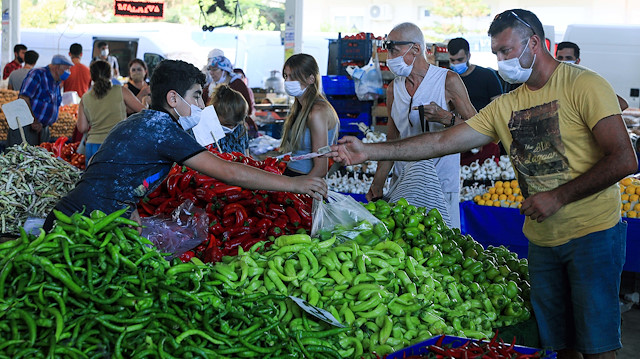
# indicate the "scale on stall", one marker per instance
pixel 18 115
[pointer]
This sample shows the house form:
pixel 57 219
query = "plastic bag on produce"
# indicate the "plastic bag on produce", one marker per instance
pixel 185 228
pixel 347 219
pixel 368 80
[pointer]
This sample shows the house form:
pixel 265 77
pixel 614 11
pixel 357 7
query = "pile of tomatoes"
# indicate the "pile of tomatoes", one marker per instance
pixel 363 36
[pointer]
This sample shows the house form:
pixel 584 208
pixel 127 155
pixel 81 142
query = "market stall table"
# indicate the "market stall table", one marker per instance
pixel 503 226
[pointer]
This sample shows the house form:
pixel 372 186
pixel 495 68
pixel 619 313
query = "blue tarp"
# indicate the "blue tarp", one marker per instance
pixel 503 226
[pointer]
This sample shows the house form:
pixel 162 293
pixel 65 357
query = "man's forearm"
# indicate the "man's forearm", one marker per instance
pixel 419 147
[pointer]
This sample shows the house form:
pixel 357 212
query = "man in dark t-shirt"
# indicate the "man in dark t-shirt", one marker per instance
pixel 483 85
pixel 138 153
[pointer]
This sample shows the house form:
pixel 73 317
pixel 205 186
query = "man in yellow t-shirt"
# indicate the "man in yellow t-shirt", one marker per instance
pixel 567 141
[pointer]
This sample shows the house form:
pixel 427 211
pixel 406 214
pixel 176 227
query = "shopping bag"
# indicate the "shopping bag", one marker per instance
pixel 342 216
pixel 175 233
pixel 368 80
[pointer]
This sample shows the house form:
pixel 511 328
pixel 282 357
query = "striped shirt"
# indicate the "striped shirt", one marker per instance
pixel 44 93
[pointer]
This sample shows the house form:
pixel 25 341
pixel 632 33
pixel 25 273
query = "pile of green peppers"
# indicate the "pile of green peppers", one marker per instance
pixel 94 288
pixel 390 295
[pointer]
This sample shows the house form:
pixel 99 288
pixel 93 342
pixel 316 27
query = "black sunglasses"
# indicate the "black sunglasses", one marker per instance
pixel 391 45
pixel 517 18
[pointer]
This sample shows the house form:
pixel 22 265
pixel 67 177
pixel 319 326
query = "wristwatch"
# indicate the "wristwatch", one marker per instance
pixel 453 120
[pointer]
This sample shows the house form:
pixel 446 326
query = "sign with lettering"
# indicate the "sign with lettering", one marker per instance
pixel 139 8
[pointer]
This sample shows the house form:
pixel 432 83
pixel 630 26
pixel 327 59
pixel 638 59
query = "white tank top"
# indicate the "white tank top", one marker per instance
pixel 432 88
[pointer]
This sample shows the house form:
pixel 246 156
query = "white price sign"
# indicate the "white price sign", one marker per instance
pixel 317 312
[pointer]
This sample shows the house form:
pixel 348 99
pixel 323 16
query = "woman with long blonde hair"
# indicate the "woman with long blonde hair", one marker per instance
pixel 312 122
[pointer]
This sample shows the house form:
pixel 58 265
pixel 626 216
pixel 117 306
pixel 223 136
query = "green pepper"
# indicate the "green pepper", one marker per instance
pixel 475 268
pixel 383 209
pixel 448 260
pixel 468 262
pixel 371 207
pixel 399 218
pixel 480 277
pixel 411 233
pixel 434 237
pixel 380 229
pixel 511 290
pixel 429 221
pixel 470 253
pixel 496 289
pixel 435 259
pixel 504 270
pixel 397 233
pixel 456 268
pixel 389 222
pixel 499 301
pixel 411 221
pixel 456 253
pixel 402 202
pixel 435 213
pixel 492 272
pixel 416 253
pixel 410 209
pixel 466 276
pixel 474 287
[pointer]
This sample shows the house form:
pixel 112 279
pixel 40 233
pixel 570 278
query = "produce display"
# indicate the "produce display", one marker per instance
pixel 492 169
pixel 501 194
pixel 94 288
pixel 463 348
pixel 6 96
pixel 66 122
pixel 31 183
pixel 237 217
pixel 629 193
pixel 66 151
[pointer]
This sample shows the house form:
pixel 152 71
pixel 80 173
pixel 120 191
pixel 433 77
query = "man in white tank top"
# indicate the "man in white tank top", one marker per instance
pixel 439 90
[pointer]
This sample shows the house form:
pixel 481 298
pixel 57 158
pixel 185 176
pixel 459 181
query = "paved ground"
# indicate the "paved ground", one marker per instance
pixel 630 334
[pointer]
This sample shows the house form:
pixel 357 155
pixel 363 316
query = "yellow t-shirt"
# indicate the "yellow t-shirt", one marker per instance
pixel 547 134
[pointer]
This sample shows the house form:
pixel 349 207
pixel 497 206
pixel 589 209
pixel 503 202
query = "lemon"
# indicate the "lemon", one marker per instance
pixel 633 198
pixel 506 184
pixel 499 184
pixel 637 207
pixel 500 190
pixel 502 197
pixel 481 202
pixel 516 190
pixel 497 204
pixel 492 190
pixel 519 198
pixel 511 198
pixel 476 198
pixel 519 205
pixel 626 181
pixel 486 196
pixel 514 183
pixel 632 214
pixel 626 206
pixel 630 189
pixel 622 188
pixel 624 197
pixel 488 203
pixel 508 191
pixel 638 190
pixel 494 197
pixel 504 204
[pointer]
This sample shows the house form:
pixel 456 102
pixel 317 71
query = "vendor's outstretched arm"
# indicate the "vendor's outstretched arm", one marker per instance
pixel 619 161
pixel 253 178
pixel 350 150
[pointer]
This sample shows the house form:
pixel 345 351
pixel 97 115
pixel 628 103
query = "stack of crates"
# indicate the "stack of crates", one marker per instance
pixel 341 93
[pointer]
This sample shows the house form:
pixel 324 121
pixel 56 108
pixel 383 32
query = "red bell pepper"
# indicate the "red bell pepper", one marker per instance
pixel 235 232
pixel 186 256
pixel 233 243
pixel 213 253
pixel 238 211
pixel 276 208
pixel 246 245
pixel 262 212
pixel 58 145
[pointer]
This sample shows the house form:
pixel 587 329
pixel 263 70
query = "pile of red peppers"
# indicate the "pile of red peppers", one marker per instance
pixel 237 216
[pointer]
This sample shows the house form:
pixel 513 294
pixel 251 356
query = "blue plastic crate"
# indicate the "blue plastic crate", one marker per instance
pixel 423 348
pixel 349 49
pixel 357 196
pixel 350 106
pixel 338 85
pixel 347 126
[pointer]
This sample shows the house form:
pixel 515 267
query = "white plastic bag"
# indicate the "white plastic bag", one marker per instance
pixel 344 216
pixel 368 80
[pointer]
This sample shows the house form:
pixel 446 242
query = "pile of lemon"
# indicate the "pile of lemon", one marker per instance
pixel 629 193
pixel 502 194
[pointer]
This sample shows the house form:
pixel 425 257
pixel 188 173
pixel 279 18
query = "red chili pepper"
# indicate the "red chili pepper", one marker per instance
pixel 238 211
pixel 162 207
pixel 246 245
pixel 186 256
pixel 264 223
pixel 216 228
pixel 233 197
pixel 234 232
pixel 58 145
pixel 230 244
pixel 185 180
pixel 172 184
pixel 223 190
pixel 272 169
pixel 276 208
pixel 262 212
pixel 213 253
pixel 156 201
pixel 281 221
pixel 188 195
pixel 227 156
pixel 145 208
pixel 294 218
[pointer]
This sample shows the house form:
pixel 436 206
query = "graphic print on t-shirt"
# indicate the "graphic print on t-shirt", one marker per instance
pixel 537 151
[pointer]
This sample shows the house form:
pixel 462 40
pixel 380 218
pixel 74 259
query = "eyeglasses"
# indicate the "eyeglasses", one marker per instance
pixel 391 45
pixel 517 18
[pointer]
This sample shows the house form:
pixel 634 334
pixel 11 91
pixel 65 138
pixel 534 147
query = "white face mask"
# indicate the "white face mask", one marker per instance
pixel 189 122
pixel 511 70
pixel 104 53
pixel 293 88
pixel 399 67
pixel 569 61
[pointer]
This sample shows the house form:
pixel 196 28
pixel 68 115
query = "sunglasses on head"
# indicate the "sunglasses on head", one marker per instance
pixel 518 18
pixel 391 45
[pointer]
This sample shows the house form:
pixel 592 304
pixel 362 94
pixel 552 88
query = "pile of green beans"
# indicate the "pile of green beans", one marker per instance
pixel 93 287
pixel 389 299
pixel 31 183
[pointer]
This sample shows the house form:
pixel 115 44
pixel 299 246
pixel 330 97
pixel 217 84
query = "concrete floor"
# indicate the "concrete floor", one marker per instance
pixel 630 334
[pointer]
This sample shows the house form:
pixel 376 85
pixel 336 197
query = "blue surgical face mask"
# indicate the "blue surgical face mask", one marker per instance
pixel 460 68
pixel 65 75
pixel 189 122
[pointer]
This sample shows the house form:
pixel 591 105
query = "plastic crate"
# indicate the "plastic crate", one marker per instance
pixel 357 196
pixel 338 85
pixel 423 348
pixel 350 106
pixel 347 126
pixel 355 49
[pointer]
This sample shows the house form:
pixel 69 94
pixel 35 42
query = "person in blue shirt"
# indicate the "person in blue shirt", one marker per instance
pixel 138 152
pixel 41 91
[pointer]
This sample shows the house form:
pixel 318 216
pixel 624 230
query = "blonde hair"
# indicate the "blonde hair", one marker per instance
pixel 302 66
pixel 230 105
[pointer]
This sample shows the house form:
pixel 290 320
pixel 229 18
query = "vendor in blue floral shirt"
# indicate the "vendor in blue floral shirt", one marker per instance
pixel 41 91
pixel 231 109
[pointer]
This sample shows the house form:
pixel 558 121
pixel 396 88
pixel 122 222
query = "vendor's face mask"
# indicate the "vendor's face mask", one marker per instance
pixel 190 121
pixel 399 67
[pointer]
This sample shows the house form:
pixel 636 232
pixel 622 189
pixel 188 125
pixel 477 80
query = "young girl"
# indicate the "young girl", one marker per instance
pixel 312 122
pixel 231 109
